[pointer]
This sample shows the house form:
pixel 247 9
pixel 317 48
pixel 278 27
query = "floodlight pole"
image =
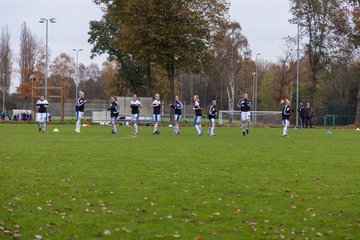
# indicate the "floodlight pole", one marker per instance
pixel 77 73
pixel 256 87
pixel 253 91
pixel 46 21
pixel 297 74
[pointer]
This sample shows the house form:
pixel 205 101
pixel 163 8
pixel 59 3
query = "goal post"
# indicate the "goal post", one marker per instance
pixel 268 118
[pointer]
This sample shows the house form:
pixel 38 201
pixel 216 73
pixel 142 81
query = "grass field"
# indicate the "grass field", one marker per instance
pixel 99 186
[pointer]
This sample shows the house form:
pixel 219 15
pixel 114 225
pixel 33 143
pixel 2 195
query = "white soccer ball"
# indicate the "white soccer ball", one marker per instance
pixel 170 125
pixel 358 129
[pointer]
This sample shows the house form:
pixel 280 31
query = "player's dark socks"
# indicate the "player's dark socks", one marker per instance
pixel 243 133
pixel 247 131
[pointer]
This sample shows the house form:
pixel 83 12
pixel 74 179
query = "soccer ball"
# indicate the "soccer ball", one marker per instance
pixel 358 129
pixel 170 125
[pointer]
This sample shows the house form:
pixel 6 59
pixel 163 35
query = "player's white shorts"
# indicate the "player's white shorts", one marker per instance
pixel 285 122
pixel 197 120
pixel 79 115
pixel 245 116
pixel 177 117
pixel 41 117
pixel 156 117
pixel 113 119
pixel 212 120
pixel 135 117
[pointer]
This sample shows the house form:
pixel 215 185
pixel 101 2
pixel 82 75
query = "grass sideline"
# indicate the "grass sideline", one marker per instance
pixel 99 186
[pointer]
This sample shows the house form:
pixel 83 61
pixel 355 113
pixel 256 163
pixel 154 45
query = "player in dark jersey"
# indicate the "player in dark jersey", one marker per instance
pixel 41 117
pixel 245 105
pixel 114 113
pixel 156 104
pixel 286 112
pixel 198 114
pixel 135 104
pixel 80 108
pixel 178 106
pixel 212 115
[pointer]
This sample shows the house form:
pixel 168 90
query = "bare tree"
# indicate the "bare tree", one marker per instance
pixel 5 63
pixel 30 61
pixel 62 72
pixel 229 55
pixel 285 73
pixel 316 17
pixel 31 54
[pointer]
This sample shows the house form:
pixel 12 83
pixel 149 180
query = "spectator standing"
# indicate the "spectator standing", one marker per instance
pixel 308 115
pixel 302 112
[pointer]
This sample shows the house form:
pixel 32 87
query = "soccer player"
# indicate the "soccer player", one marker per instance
pixel 80 107
pixel 245 104
pixel 198 114
pixel 156 104
pixel 211 116
pixel 41 117
pixel 135 104
pixel 115 111
pixel 286 111
pixel 177 106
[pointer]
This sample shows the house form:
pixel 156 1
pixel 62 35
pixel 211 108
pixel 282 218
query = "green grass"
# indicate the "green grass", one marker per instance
pixel 68 186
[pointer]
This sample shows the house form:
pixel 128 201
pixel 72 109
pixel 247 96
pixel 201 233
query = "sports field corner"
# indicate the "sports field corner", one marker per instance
pixel 95 185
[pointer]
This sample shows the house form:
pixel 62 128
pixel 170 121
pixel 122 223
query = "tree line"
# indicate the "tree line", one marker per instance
pixel 187 47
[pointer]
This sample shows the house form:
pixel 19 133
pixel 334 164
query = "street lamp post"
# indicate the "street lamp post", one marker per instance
pixel 297 74
pixel 253 90
pixel 256 87
pixel 46 21
pixel 77 72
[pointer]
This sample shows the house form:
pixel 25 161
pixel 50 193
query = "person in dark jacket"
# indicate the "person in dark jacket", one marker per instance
pixel 308 115
pixel 302 113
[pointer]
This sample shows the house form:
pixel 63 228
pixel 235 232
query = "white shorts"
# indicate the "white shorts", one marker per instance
pixel 79 115
pixel 245 116
pixel 41 117
pixel 177 117
pixel 135 117
pixel 113 119
pixel 285 122
pixel 212 120
pixel 197 120
pixel 156 117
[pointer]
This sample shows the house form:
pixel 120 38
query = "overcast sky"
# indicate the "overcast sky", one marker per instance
pixel 264 23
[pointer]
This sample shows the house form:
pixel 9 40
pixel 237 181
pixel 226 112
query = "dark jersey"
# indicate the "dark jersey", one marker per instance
pixel 135 106
pixel 197 108
pixel 42 105
pixel 178 106
pixel 80 104
pixel 286 111
pixel 212 112
pixel 244 105
pixel 302 111
pixel 114 108
pixel 156 105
